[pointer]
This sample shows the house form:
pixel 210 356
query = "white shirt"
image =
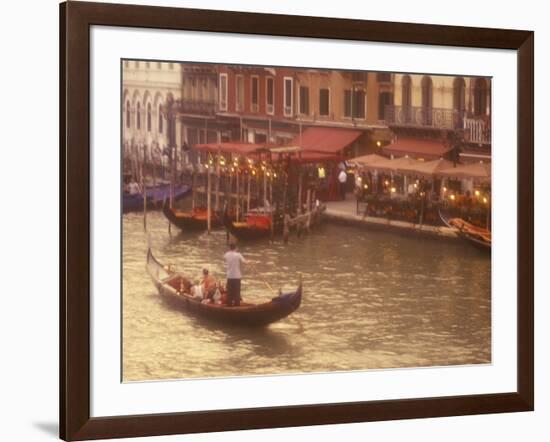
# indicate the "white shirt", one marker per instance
pixel 343 177
pixel 233 262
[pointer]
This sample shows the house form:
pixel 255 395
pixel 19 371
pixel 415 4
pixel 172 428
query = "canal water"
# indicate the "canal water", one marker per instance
pixel 371 300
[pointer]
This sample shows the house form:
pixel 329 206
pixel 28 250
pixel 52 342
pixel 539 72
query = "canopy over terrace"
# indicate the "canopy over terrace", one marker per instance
pixel 368 160
pixel 433 168
pixel 428 149
pixel 404 165
pixel 401 165
pixel 478 171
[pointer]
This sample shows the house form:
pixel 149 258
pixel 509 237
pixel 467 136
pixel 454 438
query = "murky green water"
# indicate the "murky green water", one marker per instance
pixel 371 300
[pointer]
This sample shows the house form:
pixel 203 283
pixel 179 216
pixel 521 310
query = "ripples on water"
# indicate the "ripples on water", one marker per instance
pixel 371 300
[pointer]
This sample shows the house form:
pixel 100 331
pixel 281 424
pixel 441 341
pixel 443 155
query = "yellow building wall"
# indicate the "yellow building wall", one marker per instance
pixel 442 86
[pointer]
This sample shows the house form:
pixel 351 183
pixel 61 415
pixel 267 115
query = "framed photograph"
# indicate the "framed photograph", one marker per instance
pixel 273 221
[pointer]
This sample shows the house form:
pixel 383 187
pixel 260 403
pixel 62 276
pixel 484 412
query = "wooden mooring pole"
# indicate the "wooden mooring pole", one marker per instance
pixel 208 200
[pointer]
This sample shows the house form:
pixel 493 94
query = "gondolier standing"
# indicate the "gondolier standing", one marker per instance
pixel 233 261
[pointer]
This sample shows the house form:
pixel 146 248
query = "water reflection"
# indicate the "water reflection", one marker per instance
pixel 371 300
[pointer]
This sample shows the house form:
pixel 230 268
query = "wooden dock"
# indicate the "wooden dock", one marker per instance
pixel 345 212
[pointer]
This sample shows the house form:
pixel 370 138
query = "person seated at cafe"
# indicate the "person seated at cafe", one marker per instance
pixel 133 187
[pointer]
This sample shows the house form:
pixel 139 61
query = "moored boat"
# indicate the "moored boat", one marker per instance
pixel 256 225
pixel 194 219
pixel 176 286
pixel 475 235
pixel 154 196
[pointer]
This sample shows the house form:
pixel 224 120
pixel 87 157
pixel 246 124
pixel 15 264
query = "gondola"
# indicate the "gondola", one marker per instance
pixel 157 194
pixel 195 219
pixel 477 236
pixel 174 285
pixel 256 225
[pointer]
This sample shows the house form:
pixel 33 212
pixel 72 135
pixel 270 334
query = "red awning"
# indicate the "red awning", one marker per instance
pixel 326 139
pixel 237 148
pixel 417 147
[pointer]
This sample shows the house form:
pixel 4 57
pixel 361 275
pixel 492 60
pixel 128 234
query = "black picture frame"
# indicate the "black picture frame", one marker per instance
pixel 76 18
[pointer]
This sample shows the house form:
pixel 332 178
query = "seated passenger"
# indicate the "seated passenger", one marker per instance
pixel 208 284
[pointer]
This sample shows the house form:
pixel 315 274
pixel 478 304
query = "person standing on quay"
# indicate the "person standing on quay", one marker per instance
pixel 342 179
pixel 233 261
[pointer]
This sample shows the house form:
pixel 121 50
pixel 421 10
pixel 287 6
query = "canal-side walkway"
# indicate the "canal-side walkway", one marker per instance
pixel 346 212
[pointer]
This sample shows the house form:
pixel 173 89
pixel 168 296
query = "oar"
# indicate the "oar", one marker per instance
pixel 268 285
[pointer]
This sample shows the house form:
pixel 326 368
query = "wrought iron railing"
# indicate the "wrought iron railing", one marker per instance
pixel 423 117
pixel 198 106
pixel 476 129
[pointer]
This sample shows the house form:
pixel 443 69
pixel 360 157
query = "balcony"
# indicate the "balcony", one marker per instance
pixel 422 117
pixel 200 107
pixel 476 130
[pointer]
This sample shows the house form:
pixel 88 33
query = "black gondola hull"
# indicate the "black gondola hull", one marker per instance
pixel 188 222
pixel 252 315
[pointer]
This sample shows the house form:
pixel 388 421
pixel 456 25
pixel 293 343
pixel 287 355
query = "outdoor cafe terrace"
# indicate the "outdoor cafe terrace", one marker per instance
pixel 417 191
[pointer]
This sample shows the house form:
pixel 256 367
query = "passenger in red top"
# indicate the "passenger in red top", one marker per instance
pixel 208 285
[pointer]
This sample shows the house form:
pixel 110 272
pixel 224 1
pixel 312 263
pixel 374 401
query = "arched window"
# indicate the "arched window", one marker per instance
pixel 459 96
pixel 406 98
pixel 427 100
pixel 459 100
pixel 128 120
pixel 138 116
pixel 161 120
pixel 148 117
pixel 480 97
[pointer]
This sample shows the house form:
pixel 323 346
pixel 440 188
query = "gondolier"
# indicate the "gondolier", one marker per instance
pixel 233 261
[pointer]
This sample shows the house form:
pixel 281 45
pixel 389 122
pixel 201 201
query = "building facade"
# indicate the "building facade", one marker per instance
pixel 456 110
pixel 273 105
pixel 199 104
pixel 147 88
